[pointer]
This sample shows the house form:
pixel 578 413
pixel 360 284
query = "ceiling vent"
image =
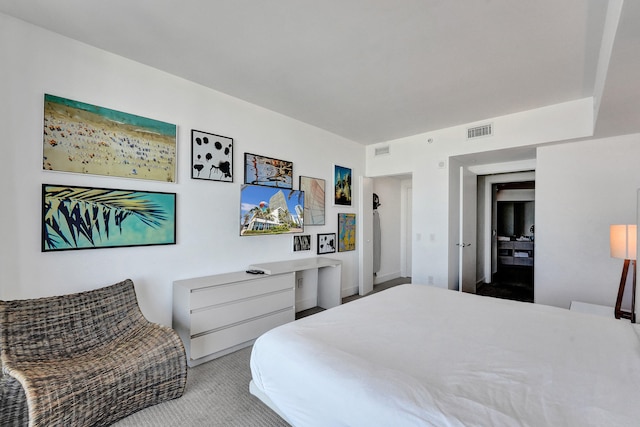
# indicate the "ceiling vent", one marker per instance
pixel 480 131
pixel 382 150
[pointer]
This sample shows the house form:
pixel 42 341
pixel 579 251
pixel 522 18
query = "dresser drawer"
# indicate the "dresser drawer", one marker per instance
pixel 217 316
pixel 222 339
pixel 221 294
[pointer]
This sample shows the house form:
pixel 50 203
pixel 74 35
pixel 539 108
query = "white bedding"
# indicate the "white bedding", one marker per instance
pixel 418 355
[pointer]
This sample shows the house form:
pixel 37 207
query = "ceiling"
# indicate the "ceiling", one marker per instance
pixel 371 70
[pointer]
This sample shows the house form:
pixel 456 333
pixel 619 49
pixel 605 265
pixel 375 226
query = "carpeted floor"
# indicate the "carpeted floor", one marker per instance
pixel 217 393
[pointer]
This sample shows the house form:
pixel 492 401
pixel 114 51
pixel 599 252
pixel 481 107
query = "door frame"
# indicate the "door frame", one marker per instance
pixel 489 260
pixel 473 163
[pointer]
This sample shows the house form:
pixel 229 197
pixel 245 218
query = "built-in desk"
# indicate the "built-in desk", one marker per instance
pixel 326 272
pixel 215 315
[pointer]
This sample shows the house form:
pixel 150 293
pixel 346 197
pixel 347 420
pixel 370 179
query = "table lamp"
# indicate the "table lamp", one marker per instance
pixel 623 245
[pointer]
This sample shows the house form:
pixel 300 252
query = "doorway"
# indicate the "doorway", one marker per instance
pixel 491 167
pixel 513 240
pixel 394 215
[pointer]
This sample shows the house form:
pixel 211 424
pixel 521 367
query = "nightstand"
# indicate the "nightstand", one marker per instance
pixel 598 310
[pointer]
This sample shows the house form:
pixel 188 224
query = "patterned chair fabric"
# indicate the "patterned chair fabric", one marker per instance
pixel 85 359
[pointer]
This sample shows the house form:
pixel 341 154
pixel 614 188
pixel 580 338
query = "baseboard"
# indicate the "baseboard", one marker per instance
pixel 305 304
pixel 349 292
pixel 381 278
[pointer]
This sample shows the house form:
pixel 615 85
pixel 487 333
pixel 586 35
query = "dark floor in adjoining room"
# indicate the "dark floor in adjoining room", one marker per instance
pixel 514 283
pixel 376 288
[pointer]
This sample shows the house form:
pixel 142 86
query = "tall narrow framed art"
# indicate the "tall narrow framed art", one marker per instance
pixel 314 195
pixel 342 186
pixel 346 232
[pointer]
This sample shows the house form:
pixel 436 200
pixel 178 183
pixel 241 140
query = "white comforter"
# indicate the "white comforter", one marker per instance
pixel 418 355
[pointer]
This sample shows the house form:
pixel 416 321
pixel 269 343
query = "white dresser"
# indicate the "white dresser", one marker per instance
pixel 216 315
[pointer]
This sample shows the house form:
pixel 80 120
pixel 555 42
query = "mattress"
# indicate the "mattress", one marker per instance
pixel 417 355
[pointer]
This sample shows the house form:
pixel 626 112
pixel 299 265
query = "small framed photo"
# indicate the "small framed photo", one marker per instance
pixel 260 170
pixel 342 186
pixel 314 200
pixel 346 232
pixel 326 243
pixel 211 156
pixel 302 243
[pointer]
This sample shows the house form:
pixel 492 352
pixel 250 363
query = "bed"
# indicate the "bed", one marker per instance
pixel 417 355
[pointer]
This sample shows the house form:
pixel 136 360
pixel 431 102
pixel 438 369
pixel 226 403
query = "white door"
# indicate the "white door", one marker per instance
pixel 365 236
pixel 467 243
pixel 407 240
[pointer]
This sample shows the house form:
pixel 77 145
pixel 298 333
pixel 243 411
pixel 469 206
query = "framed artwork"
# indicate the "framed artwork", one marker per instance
pixel 302 243
pixel 346 232
pixel 260 170
pixel 211 156
pixel 314 196
pixel 270 210
pixel 84 138
pixel 326 243
pixel 89 218
pixel 342 186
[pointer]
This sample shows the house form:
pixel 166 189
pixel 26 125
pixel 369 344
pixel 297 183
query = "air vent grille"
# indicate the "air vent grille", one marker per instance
pixel 382 150
pixel 480 131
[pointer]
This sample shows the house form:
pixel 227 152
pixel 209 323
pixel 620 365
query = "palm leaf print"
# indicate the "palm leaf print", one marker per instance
pixel 72 214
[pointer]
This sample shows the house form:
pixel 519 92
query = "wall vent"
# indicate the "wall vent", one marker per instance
pixel 480 131
pixel 382 150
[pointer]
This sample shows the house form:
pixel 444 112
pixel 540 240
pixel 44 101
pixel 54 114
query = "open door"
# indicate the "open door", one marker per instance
pixel 365 236
pixel 467 243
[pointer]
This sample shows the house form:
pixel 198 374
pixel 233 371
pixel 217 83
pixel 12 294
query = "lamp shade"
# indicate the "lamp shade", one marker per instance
pixel 622 239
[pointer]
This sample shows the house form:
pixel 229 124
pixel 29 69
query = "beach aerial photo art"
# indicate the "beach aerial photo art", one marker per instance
pixel 85 138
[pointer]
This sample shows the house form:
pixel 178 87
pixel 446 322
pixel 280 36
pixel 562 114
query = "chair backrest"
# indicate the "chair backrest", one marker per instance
pixel 67 325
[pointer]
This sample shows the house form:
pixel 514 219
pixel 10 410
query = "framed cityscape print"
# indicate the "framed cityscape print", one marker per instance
pixel 260 170
pixel 211 156
pixel 342 186
pixel 268 210
pixel 85 138
pixel 314 195
pixel 326 243
pixel 89 218
pixel 346 232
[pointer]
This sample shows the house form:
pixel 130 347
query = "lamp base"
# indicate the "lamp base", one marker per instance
pixel 619 313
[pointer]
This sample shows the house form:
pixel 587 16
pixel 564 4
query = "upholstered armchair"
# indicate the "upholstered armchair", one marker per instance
pixel 86 359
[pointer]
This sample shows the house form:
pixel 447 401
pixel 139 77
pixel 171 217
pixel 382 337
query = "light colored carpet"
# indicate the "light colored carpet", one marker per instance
pixel 217 394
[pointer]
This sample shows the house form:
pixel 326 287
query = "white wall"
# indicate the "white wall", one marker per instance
pixel 426 157
pixel 34 62
pixel 581 189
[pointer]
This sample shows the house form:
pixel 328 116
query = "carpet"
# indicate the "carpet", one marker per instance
pixel 217 394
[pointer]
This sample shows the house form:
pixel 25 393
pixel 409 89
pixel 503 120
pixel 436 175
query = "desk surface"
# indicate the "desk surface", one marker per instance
pixel 288 266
